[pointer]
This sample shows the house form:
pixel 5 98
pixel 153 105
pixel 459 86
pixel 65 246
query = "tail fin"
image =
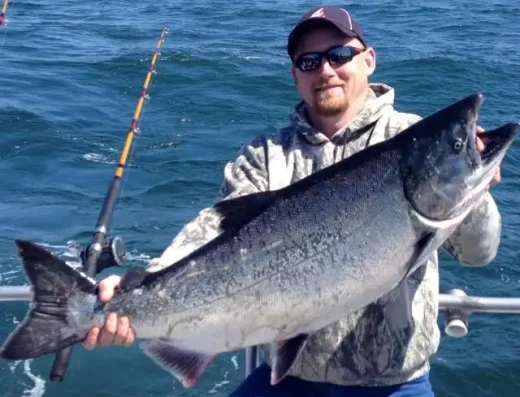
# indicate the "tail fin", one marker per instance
pixel 59 293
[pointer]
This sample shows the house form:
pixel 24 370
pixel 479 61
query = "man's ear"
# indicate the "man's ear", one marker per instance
pixel 370 60
pixel 293 74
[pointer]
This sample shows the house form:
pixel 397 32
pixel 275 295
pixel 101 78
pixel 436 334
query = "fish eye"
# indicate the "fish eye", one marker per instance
pixel 457 145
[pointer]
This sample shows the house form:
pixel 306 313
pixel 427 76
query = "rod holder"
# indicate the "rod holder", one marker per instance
pixel 456 319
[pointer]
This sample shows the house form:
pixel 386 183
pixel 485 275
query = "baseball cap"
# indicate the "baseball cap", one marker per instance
pixel 320 16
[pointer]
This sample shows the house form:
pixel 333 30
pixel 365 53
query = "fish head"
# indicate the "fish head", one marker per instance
pixel 445 174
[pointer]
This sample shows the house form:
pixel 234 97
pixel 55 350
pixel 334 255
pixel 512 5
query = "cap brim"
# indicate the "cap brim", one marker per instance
pixel 309 24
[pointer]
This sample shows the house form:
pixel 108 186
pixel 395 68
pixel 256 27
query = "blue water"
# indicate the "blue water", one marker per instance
pixel 70 76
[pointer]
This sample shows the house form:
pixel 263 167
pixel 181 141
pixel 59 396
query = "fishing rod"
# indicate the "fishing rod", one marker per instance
pixel 114 248
pixel 102 252
pixel 2 13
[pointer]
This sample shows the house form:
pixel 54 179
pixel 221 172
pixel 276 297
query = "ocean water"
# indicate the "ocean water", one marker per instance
pixel 70 76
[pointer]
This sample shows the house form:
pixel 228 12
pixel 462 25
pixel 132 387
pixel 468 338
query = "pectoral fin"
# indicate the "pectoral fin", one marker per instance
pixel 427 246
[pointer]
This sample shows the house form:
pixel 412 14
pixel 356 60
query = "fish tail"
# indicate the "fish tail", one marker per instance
pixel 62 303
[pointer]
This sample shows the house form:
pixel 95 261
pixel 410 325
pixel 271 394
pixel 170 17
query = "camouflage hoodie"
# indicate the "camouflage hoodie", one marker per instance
pixel 389 341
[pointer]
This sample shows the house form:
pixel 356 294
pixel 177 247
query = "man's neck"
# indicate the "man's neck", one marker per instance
pixel 329 125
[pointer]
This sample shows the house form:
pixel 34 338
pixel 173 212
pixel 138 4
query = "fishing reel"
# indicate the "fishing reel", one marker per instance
pixel 112 254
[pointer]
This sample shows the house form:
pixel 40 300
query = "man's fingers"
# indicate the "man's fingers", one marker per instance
pixel 107 287
pixel 115 330
pixel 497 178
pixel 92 338
pixel 480 145
pixel 130 337
pixel 123 326
pixel 481 140
pixel 109 331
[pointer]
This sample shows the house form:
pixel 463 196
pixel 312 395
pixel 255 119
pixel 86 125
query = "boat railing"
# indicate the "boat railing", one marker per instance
pixel 456 305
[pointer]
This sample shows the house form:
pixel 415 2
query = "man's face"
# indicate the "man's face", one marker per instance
pixel 329 89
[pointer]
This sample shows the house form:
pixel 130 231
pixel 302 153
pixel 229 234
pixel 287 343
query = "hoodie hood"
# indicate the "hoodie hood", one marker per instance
pixel 380 100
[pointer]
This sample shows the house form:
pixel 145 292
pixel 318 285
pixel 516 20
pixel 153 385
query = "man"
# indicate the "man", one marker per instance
pixel 383 349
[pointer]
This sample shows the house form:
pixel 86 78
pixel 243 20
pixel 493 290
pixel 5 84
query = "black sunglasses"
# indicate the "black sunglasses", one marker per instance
pixel 338 55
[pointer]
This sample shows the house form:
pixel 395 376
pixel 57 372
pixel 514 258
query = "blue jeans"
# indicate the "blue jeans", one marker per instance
pixel 258 385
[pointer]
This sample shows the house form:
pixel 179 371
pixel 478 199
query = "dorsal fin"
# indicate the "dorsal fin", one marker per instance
pixel 234 213
pixel 238 211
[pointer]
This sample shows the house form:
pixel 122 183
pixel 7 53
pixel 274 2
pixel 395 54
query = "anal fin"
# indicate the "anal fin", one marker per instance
pixel 284 355
pixel 187 366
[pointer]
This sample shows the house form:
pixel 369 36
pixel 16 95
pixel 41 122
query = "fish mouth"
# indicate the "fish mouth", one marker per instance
pixel 497 142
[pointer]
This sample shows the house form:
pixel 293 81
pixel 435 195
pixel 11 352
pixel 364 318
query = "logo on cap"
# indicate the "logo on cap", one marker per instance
pixel 319 13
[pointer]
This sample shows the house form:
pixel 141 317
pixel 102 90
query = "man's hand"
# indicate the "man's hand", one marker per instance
pixel 116 331
pixel 481 144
